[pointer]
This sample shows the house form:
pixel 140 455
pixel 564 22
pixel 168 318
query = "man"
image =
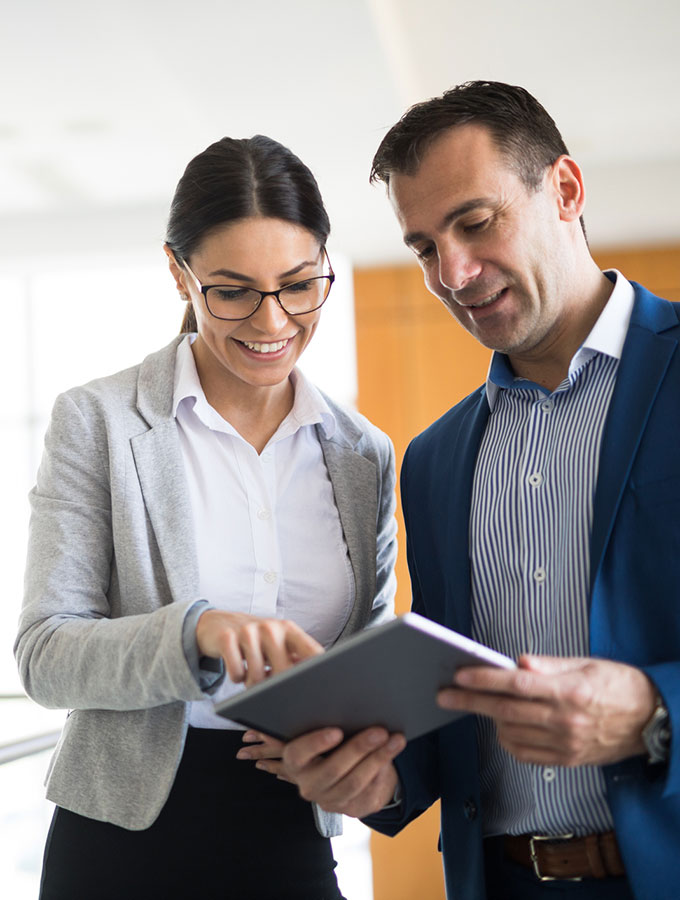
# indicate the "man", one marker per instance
pixel 542 518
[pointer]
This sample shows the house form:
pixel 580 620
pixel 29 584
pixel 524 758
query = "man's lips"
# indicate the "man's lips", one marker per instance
pixel 481 303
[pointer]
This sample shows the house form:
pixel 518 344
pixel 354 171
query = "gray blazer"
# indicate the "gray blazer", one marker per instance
pixel 112 572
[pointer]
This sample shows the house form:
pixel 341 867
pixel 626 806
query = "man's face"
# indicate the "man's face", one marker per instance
pixel 495 252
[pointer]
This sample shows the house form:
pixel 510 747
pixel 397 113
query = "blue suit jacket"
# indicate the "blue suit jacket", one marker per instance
pixel 634 600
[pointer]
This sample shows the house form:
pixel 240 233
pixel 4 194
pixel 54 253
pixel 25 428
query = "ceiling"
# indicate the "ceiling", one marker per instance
pixel 103 104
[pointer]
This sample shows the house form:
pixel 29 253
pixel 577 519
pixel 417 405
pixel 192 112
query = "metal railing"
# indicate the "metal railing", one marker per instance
pixel 26 746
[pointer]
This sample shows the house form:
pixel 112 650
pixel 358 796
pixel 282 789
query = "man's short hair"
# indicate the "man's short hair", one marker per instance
pixel 521 128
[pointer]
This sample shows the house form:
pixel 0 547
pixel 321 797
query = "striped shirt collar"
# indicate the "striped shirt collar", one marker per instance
pixel 309 406
pixel 607 336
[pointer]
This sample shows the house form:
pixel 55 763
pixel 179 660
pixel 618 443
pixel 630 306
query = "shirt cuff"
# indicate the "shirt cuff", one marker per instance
pixel 208 672
pixel 396 798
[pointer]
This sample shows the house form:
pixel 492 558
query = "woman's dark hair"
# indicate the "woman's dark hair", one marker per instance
pixel 235 179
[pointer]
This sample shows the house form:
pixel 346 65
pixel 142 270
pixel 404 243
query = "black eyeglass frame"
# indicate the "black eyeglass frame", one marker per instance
pixel 204 288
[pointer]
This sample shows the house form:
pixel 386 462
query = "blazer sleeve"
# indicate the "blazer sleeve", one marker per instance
pixel 76 648
pixel 666 677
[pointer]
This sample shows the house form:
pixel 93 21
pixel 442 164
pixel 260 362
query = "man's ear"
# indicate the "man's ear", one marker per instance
pixel 567 182
pixel 177 271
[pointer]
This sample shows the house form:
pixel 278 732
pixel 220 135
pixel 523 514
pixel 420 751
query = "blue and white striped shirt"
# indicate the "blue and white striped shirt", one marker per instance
pixel 532 510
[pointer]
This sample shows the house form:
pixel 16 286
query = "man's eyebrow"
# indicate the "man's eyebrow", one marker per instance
pixel 229 273
pixel 475 203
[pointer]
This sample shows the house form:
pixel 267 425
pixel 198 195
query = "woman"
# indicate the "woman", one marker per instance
pixel 198 521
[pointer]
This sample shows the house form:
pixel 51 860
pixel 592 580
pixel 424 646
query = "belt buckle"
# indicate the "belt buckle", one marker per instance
pixel 534 855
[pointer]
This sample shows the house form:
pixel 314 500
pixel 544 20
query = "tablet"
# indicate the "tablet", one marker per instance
pixel 388 675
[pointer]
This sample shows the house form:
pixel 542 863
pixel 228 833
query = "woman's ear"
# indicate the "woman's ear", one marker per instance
pixel 178 273
pixel 567 181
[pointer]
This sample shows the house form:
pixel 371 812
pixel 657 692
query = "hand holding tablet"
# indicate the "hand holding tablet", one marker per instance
pixel 387 676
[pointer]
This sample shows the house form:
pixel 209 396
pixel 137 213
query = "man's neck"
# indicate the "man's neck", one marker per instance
pixel 548 365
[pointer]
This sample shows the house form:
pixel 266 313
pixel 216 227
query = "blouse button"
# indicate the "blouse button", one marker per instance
pixel 270 577
pixel 263 514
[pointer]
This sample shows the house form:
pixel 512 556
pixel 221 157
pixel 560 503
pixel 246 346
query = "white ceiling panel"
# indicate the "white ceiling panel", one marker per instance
pixel 102 104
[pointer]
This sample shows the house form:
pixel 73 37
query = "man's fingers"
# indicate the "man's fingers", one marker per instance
pixel 355 783
pixel 503 708
pixel 299 753
pixel 518 682
pixel 552 665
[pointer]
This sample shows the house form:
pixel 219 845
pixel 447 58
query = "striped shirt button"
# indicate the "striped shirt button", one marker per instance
pixel 539 575
pixel 547 405
pixel 536 479
pixel 549 774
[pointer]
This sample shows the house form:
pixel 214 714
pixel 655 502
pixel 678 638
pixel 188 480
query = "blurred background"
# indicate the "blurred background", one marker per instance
pixel 101 107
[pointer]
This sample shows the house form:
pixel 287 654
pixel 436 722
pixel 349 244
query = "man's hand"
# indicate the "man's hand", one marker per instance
pixel 356 779
pixel 252 648
pixel 559 711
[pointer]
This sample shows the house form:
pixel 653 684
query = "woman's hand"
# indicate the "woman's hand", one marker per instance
pixel 252 648
pixel 266 750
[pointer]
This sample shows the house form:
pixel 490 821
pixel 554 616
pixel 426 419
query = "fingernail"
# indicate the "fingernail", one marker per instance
pixel 251 736
pixel 374 738
pixel 243 754
pixel 463 677
pixel 262 766
pixel 395 742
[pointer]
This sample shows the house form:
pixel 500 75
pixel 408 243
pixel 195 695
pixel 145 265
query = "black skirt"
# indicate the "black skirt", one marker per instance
pixel 226 831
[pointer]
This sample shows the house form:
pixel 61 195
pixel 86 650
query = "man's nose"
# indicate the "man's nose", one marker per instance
pixel 457 267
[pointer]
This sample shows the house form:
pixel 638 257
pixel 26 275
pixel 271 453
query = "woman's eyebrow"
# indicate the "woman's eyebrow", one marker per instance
pixel 230 273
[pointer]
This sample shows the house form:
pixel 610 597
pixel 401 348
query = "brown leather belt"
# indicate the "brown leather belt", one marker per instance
pixel 565 856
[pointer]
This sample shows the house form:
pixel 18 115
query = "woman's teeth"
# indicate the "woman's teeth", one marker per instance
pixel 266 348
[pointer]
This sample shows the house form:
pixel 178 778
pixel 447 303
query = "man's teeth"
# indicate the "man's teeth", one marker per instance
pixel 266 348
pixel 488 300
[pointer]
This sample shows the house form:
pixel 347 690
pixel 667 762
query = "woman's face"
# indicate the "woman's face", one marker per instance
pixel 262 253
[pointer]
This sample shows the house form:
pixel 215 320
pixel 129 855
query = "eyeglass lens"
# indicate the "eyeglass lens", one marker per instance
pixel 233 302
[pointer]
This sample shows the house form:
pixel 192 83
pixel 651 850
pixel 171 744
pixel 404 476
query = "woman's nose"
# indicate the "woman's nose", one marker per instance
pixel 269 317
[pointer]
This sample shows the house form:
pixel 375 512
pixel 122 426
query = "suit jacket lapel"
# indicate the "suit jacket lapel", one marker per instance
pixel 644 361
pixel 161 473
pixel 457 501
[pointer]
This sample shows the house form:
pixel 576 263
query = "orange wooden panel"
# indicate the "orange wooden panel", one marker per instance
pixel 409 866
pixel 658 268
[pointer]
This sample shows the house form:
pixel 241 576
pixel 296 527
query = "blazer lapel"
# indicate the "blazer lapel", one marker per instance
pixel 355 490
pixel 161 474
pixel 644 362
